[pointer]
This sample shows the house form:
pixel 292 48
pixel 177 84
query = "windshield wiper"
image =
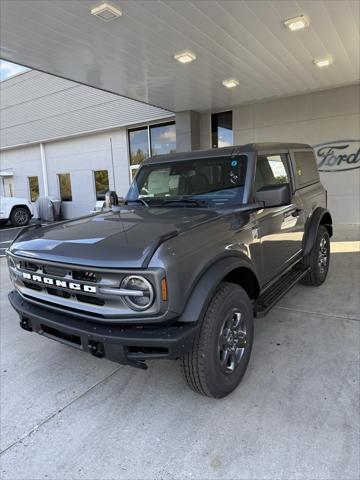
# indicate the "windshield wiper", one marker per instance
pixel 137 200
pixel 193 201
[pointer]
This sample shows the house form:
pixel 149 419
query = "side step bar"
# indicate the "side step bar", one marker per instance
pixel 273 294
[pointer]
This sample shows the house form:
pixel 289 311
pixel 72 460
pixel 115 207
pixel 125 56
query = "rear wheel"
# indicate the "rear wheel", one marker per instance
pixel 222 348
pixel 20 216
pixel 318 259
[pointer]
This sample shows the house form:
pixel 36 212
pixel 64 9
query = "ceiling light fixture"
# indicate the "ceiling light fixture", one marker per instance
pixel 106 11
pixel 185 57
pixel 297 23
pixel 323 62
pixel 230 83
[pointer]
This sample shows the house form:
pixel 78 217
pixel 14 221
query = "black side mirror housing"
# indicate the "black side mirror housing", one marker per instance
pixel 274 195
pixel 111 198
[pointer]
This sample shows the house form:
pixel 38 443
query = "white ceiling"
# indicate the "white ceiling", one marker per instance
pixel 133 55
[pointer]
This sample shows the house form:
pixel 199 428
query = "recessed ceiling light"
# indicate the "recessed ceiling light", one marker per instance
pixel 323 62
pixel 230 83
pixel 106 11
pixel 185 57
pixel 297 23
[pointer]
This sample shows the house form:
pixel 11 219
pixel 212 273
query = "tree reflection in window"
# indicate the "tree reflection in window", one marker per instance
pixel 65 187
pixel 139 145
pixel 34 188
pixel 101 178
pixel 163 139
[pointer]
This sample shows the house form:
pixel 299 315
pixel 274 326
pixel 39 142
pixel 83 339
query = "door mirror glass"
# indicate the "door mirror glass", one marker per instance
pixel 274 195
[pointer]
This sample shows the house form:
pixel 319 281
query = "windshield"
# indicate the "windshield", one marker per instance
pixel 207 180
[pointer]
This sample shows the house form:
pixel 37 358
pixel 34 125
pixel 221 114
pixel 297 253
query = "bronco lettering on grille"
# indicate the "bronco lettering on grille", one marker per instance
pixel 59 283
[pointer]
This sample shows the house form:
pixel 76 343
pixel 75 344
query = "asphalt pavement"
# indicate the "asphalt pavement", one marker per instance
pixel 7 234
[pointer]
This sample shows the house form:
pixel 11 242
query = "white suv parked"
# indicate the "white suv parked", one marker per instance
pixel 18 210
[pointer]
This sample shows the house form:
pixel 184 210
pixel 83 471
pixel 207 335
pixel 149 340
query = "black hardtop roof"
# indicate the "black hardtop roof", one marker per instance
pixel 226 151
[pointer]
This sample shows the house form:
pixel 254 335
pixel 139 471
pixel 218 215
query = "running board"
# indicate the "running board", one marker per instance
pixel 273 294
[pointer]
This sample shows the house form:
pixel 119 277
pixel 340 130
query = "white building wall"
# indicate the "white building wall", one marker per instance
pixel 80 157
pixel 24 163
pixel 37 107
pixel 325 116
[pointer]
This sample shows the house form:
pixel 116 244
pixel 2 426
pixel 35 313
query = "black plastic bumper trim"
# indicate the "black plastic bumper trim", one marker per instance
pixel 115 342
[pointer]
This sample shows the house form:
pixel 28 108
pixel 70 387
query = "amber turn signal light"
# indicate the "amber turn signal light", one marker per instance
pixel 164 291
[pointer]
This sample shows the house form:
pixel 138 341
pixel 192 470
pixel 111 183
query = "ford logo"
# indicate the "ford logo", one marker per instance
pixel 338 156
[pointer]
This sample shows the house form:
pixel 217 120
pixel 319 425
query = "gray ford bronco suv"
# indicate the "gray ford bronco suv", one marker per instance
pixel 204 242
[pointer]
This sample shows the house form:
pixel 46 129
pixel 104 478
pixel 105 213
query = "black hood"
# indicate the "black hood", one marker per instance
pixel 124 239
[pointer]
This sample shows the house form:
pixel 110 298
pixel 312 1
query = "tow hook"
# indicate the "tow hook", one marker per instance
pixel 26 324
pixel 96 349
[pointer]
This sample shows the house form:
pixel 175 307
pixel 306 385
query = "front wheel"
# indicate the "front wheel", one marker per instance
pixel 318 259
pixel 222 348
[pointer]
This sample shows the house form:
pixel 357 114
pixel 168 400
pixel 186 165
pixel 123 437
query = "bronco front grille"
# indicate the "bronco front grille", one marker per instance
pixel 72 288
pixel 85 276
pixel 32 267
pixel 56 271
pixel 33 286
pixel 62 290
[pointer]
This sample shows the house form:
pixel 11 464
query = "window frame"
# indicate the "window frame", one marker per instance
pixel 213 115
pixel 134 192
pixel 146 127
pixel 297 185
pixel 287 163
pixel 59 186
pixel 94 182
pixel 29 187
pixel 158 125
pixel 137 129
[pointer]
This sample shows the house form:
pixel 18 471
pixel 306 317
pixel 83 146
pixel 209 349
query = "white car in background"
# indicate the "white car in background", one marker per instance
pixel 18 210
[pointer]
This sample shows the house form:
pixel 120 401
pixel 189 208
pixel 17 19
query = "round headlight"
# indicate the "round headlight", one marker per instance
pixel 143 292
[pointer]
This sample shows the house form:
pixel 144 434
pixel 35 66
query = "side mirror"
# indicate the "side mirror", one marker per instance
pixel 111 198
pixel 274 195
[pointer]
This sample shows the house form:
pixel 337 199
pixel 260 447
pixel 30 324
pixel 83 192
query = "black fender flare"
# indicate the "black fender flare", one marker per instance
pixel 320 216
pixel 208 282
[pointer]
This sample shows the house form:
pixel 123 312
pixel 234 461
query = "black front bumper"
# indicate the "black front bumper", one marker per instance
pixel 122 344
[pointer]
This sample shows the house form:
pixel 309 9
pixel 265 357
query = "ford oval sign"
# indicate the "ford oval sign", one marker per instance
pixel 338 156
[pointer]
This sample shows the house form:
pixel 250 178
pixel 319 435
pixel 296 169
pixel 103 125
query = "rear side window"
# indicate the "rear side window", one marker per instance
pixel 306 168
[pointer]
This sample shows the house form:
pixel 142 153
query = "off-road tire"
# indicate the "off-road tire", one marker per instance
pixel 20 216
pixel 202 366
pixel 318 271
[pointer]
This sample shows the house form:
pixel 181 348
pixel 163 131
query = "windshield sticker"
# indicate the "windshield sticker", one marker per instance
pixel 158 182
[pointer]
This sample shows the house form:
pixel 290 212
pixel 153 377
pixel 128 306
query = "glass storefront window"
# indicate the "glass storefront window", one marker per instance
pixel 221 129
pixel 101 179
pixel 139 145
pixel 65 187
pixel 160 139
pixel 34 188
pixel 163 139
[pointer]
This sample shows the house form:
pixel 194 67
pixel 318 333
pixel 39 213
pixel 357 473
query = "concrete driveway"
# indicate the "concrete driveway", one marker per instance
pixel 67 415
